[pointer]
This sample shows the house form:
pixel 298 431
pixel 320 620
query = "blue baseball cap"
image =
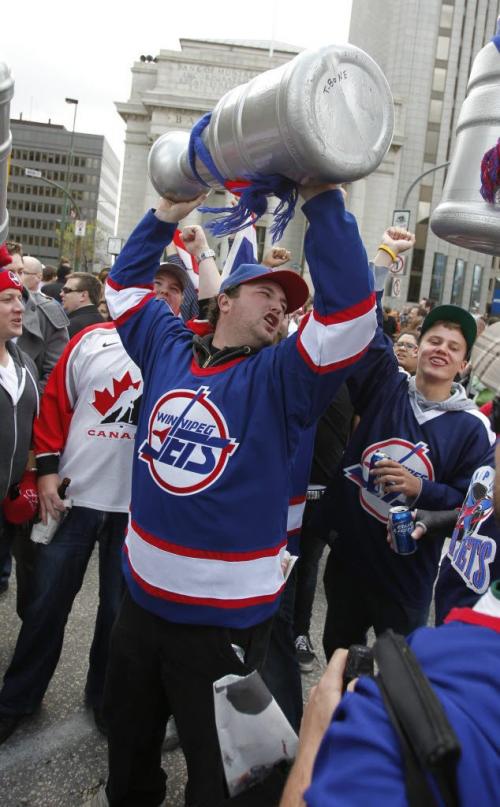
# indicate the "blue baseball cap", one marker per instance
pixel 295 288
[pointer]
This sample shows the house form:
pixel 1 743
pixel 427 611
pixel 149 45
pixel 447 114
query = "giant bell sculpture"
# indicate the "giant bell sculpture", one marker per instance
pixel 6 93
pixel 463 217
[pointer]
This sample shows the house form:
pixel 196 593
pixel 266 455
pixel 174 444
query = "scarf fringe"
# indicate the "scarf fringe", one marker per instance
pixel 490 174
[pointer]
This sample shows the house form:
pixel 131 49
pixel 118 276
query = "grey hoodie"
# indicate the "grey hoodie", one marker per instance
pixel 423 409
pixel 16 421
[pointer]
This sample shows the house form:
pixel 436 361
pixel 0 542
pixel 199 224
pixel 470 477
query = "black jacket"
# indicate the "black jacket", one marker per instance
pixel 82 318
pixel 16 422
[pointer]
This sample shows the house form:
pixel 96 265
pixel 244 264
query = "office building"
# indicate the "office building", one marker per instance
pixel 426 49
pixel 45 161
pixel 172 92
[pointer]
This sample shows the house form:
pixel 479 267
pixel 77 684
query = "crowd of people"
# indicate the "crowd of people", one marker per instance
pixel 212 443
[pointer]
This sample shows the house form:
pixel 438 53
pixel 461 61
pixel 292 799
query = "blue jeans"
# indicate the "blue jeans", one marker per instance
pixel 5 551
pixel 58 575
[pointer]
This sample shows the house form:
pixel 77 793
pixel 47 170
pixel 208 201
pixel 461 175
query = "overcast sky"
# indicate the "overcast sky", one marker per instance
pixel 85 50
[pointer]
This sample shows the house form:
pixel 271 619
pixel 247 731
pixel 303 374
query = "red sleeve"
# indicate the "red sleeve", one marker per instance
pixel 201 327
pixel 51 427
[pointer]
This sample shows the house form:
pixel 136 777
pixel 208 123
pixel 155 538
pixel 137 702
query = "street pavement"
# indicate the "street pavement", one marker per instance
pixel 55 757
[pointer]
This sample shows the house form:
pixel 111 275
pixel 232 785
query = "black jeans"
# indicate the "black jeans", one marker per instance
pixel 281 671
pixel 158 668
pixel 354 607
pixel 311 550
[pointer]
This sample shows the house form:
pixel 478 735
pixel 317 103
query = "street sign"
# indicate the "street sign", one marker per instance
pixel 396 287
pixel 401 218
pixel 115 245
pixel 398 268
pixel 80 227
pixel 32 172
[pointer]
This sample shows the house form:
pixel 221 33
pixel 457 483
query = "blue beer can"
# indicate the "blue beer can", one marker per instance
pixel 401 526
pixel 372 485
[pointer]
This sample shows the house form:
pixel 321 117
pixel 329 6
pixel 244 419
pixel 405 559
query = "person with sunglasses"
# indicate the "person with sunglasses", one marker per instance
pixel 80 297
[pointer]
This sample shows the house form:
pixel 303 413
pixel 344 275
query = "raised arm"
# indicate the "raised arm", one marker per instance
pixel 337 332
pixel 129 287
pixel 196 243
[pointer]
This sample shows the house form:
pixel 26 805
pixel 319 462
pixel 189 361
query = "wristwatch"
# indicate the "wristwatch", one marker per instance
pixel 206 253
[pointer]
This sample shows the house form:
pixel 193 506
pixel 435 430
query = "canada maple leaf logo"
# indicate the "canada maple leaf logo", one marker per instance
pixel 104 400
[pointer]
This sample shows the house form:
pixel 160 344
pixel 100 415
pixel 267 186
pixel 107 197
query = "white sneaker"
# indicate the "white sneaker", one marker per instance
pixel 305 653
pixel 98 799
pixel 171 741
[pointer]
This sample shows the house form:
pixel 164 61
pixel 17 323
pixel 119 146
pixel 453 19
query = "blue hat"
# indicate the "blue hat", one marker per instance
pixel 295 288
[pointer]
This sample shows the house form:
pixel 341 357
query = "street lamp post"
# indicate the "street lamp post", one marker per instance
pixel 73 101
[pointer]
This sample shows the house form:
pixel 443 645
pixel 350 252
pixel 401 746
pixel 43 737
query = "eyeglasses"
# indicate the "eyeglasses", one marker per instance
pixel 67 290
pixel 405 346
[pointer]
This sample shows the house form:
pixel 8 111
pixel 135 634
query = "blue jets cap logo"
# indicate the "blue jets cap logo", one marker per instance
pixel 188 445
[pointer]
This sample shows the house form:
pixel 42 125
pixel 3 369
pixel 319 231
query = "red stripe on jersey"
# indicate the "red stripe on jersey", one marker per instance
pixel 328 368
pixel 118 287
pixel 185 599
pixel 347 314
pixel 473 618
pixel 197 370
pixel 207 554
pixel 131 311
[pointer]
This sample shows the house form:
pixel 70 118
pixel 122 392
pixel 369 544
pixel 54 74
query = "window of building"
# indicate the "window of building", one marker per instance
pixel 446 20
pixel 424 209
pixel 475 292
pixel 260 233
pixel 443 48
pixel 439 79
pixel 457 288
pixel 416 275
pixel 435 111
pixel 431 145
pixel 438 276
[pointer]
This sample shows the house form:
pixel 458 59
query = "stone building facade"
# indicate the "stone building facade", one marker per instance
pixel 173 93
pixel 426 49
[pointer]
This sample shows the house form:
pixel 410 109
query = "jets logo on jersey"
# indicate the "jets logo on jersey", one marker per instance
pixel 188 445
pixel 414 457
pixel 118 408
pixel 470 553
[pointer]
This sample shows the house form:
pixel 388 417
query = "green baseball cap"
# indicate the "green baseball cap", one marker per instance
pixel 453 313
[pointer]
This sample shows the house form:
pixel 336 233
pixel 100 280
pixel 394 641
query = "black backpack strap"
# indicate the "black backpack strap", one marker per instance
pixel 428 742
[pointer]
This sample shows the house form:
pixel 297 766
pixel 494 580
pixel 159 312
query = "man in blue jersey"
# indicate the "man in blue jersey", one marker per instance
pixel 220 419
pixel 349 753
pixel 433 438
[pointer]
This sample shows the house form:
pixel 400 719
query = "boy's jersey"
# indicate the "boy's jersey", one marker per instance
pixel 441 445
pixel 211 476
pixel 88 415
pixel 472 560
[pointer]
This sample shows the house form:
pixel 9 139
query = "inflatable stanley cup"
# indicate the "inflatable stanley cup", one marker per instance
pixel 463 217
pixel 325 116
pixel 6 93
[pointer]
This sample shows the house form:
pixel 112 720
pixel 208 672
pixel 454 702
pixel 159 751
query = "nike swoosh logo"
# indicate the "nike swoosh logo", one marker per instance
pixel 108 344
